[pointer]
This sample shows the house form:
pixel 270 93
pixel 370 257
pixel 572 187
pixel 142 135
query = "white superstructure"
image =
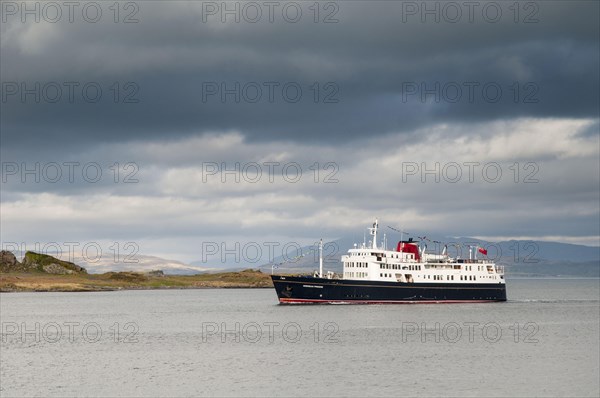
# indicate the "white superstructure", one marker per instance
pixel 411 263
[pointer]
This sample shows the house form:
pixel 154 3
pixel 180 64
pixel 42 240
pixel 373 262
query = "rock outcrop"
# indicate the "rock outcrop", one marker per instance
pixel 35 262
pixel 8 262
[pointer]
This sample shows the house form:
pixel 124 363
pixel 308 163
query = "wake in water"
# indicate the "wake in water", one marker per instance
pixel 555 301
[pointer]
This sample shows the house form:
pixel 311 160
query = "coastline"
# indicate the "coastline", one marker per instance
pixel 114 281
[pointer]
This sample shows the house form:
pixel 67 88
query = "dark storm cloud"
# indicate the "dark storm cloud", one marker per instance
pixel 376 56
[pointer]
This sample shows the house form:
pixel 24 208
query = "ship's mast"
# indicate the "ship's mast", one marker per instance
pixel 401 240
pixel 321 258
pixel 373 231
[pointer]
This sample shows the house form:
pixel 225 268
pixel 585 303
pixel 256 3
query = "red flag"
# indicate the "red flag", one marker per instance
pixel 482 251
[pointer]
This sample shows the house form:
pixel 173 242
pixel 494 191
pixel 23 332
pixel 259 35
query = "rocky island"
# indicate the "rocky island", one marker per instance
pixel 44 273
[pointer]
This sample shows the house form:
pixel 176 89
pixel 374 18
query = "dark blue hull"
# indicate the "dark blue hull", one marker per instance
pixel 306 289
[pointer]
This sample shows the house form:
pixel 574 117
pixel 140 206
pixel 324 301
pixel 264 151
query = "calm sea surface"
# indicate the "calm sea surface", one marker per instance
pixel 544 342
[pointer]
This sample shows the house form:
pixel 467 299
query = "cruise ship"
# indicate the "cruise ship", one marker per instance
pixel 408 274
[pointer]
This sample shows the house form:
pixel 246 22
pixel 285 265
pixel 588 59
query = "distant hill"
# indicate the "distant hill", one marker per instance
pixel 143 263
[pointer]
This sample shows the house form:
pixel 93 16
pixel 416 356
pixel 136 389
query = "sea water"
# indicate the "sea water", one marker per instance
pixel 544 341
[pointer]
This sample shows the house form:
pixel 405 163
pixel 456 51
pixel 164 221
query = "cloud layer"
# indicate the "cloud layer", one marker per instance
pixel 387 94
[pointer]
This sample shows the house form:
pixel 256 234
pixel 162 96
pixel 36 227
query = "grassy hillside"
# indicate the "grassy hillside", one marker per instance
pixel 29 282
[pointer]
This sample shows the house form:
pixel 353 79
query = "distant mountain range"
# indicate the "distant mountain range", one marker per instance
pixel 143 263
pixel 521 258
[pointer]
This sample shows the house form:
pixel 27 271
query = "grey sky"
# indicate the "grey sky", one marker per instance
pixel 373 120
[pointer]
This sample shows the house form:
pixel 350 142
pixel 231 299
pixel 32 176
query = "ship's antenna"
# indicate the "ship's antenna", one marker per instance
pixel 321 258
